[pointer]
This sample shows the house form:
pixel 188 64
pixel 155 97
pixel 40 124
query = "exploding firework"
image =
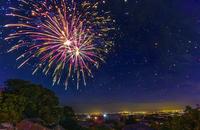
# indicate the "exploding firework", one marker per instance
pixel 67 37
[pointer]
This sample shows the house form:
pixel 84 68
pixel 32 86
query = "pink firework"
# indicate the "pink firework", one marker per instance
pixel 67 37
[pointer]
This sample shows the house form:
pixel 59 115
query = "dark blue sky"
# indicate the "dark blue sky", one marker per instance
pixel 155 63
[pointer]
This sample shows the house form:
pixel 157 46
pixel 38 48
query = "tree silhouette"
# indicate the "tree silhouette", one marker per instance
pixel 25 100
pixel 190 120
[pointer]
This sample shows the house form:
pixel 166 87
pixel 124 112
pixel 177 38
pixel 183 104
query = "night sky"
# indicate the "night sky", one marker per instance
pixel 155 63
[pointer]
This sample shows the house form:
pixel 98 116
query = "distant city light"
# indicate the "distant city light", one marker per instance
pixel 88 116
pixel 105 115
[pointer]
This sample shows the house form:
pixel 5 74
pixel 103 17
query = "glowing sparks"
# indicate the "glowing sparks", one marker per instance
pixel 66 37
pixel 67 43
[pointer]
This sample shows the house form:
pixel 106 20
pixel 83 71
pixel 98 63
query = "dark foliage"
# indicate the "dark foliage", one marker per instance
pixel 190 120
pixel 25 100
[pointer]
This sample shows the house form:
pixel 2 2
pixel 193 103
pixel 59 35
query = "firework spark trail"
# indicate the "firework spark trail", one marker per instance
pixel 67 37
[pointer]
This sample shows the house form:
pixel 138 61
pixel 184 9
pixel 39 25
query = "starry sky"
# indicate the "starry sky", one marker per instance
pixel 155 63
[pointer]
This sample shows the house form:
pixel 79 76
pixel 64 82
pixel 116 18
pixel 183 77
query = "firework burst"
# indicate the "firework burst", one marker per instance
pixel 67 37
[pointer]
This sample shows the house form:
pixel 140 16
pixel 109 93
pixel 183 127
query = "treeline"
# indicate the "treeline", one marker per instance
pixel 190 120
pixel 25 100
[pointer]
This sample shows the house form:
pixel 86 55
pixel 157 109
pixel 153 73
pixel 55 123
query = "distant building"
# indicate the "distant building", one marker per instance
pixel 98 119
pixel 114 117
